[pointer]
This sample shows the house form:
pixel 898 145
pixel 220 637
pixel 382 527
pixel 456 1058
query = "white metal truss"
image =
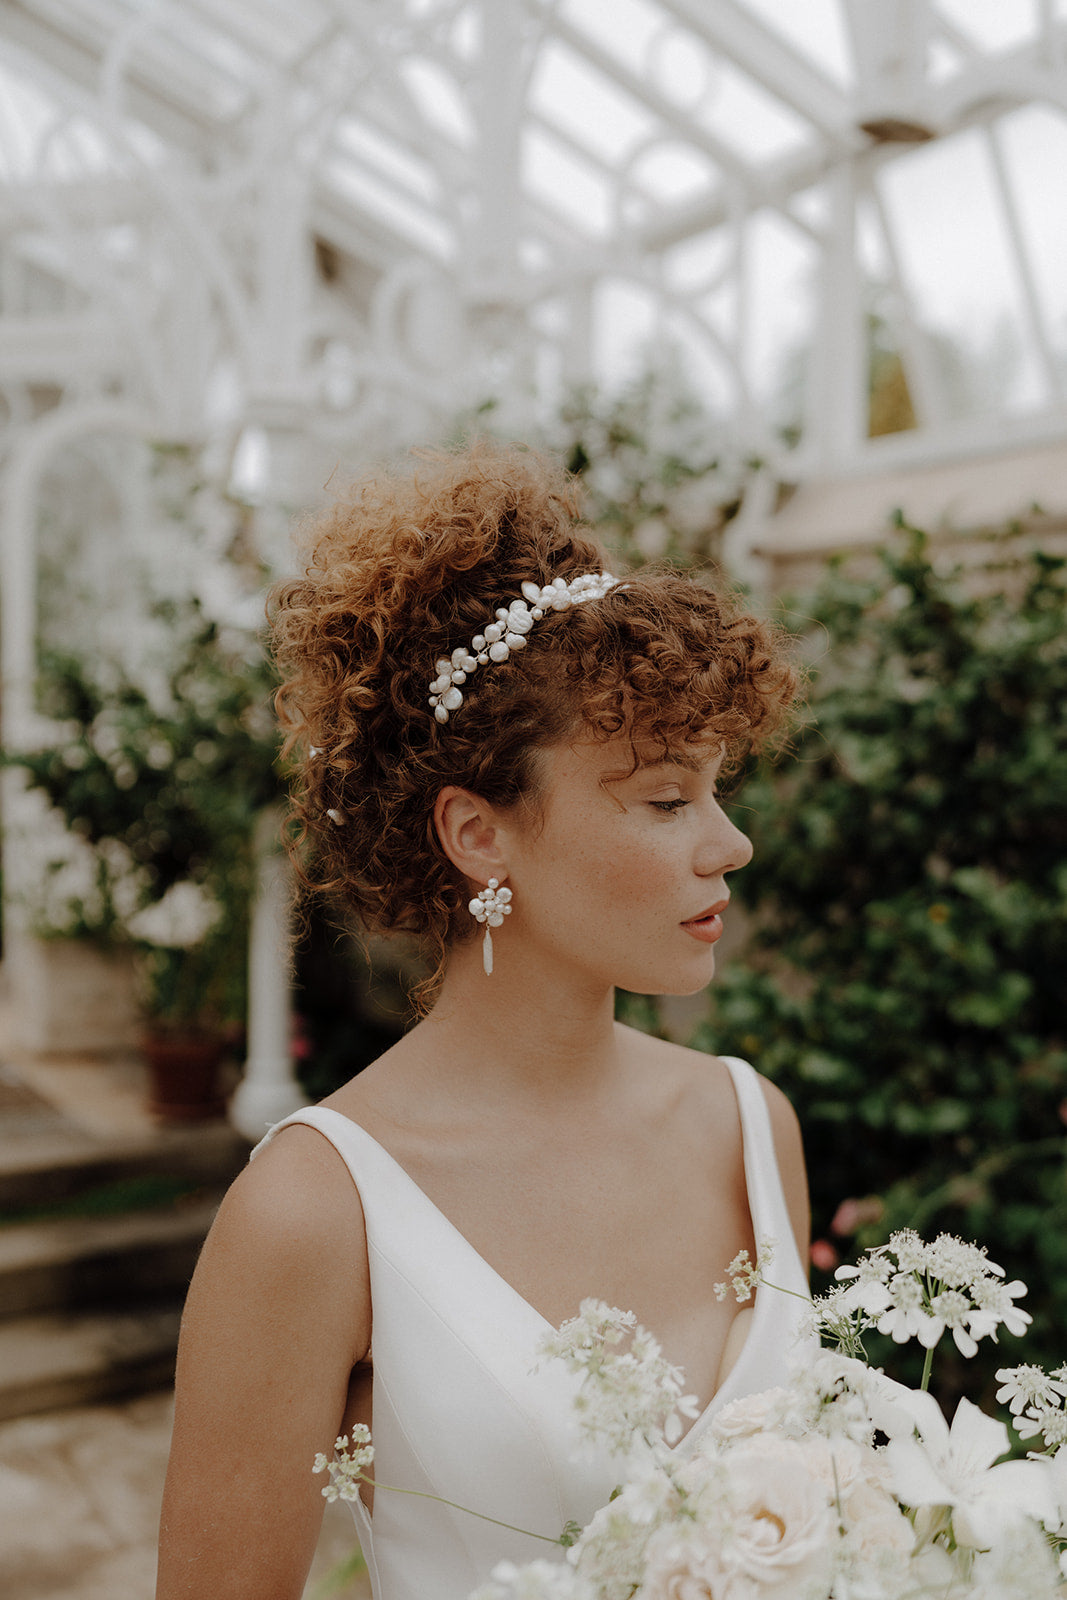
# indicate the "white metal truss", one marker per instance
pixel 347 202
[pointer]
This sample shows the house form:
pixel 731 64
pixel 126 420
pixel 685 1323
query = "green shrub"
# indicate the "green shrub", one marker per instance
pixel 905 981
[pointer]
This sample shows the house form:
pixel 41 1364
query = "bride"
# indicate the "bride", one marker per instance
pixel 510 753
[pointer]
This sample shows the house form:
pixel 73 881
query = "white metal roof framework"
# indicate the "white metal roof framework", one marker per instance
pixel 372 210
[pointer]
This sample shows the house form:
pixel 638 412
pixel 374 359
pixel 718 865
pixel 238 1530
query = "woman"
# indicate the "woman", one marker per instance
pixel 515 756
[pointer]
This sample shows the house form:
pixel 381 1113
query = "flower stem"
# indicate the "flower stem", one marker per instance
pixel 424 1494
pixel 927 1364
pixel 764 1283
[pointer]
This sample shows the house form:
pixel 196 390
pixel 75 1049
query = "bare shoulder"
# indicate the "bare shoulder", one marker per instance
pixel 290 1232
pixel 706 1080
pixel 700 1081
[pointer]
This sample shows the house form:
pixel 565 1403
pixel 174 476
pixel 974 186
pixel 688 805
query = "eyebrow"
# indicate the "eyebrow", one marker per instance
pixel 688 763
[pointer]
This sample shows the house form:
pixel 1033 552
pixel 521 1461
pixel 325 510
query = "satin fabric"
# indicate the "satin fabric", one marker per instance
pixel 458 1409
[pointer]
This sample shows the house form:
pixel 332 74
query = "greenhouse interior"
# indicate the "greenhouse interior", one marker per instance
pixel 784 288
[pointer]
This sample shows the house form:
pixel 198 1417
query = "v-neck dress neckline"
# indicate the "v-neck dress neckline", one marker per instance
pixel 457 1409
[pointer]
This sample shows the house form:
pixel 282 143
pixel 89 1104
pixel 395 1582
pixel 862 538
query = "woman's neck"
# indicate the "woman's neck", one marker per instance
pixel 522 1032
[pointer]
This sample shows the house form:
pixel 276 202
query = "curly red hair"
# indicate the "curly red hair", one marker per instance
pixel 408 566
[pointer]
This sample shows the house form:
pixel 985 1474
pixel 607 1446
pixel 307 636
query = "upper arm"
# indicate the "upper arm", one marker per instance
pixel 789 1149
pixel 277 1315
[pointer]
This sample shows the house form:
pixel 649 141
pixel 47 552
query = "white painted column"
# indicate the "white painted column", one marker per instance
pixel 269 1090
pixel 835 420
pixel 277 403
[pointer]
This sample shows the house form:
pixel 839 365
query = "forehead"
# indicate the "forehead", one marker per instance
pixel 620 758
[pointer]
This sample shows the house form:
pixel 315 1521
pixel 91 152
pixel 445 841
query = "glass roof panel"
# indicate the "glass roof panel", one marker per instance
pixel 584 102
pixel 634 26
pixel 992 24
pixel 1037 191
pixel 756 124
pixel 978 312
pixel 814 27
pixel 440 100
pixel 567 185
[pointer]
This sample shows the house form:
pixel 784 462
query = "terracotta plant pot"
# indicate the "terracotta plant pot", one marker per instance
pixel 183 1075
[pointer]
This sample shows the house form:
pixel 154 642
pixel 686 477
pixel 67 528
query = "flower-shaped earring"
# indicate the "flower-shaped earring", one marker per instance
pixel 491 905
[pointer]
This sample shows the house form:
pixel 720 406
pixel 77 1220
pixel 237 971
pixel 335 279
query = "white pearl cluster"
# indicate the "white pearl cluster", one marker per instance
pixel 490 905
pixel 509 632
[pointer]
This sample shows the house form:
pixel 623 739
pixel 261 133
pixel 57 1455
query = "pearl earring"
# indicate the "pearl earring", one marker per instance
pixel 490 906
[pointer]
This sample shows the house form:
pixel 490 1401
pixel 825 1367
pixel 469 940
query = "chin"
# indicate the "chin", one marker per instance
pixel 673 982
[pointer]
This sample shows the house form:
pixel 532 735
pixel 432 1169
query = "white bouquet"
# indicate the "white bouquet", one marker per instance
pixel 845 1485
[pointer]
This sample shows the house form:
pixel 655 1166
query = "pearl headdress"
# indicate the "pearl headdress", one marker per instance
pixel 496 642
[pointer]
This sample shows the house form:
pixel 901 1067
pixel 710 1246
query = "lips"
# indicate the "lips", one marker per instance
pixel 707 926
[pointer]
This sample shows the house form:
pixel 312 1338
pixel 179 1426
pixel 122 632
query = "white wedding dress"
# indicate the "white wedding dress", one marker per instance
pixel 457 1409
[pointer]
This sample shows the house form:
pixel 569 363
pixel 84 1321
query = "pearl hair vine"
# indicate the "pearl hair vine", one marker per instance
pixel 508 632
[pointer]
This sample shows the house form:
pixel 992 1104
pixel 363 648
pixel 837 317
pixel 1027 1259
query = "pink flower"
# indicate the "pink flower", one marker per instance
pixel 823 1255
pixel 852 1214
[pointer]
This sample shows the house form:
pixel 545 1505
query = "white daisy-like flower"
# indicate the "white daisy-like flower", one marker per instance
pixel 1048 1421
pixel 952 1310
pixel 1028 1386
pixel 995 1303
pixel 906 1315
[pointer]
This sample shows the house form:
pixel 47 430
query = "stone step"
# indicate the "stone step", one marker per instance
pixel 37 1171
pixel 98 1262
pixel 49 1362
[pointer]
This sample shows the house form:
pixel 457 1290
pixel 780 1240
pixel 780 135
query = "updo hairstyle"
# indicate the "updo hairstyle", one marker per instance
pixel 402 570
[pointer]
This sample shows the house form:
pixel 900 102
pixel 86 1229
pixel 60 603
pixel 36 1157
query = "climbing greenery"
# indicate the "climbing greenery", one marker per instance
pixel 905 980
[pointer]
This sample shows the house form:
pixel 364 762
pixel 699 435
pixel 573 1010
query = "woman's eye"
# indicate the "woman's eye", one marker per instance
pixel 669 806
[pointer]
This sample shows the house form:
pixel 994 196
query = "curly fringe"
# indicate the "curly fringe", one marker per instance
pixel 402 570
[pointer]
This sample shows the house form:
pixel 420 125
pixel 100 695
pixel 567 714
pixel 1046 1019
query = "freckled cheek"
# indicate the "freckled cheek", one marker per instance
pixel 628 882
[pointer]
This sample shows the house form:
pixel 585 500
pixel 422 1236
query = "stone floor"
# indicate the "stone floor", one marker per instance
pixel 80 1493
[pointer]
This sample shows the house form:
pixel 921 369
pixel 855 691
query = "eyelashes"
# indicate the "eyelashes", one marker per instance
pixel 670 807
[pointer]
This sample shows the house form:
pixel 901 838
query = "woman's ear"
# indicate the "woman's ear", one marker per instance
pixel 471 835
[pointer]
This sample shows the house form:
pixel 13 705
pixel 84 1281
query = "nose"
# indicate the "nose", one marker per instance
pixel 724 848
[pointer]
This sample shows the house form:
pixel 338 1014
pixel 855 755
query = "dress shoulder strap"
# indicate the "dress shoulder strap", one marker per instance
pixel 388 1196
pixel 331 1124
pixel 750 1101
pixel 766 1196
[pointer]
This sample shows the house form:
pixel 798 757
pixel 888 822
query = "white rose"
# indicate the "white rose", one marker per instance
pixel 684 1567
pixel 782 1525
pixel 751 1414
pixel 877 1528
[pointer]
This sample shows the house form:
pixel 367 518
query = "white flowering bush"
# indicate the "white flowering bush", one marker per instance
pixel 153 795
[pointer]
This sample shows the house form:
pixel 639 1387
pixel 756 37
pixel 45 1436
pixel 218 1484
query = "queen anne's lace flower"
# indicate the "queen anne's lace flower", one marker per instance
pixel 957 1263
pixel 348 1467
pixel 743 1275
pixel 628 1399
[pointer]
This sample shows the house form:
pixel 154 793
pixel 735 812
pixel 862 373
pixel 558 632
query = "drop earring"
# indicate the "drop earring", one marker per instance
pixel 491 905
